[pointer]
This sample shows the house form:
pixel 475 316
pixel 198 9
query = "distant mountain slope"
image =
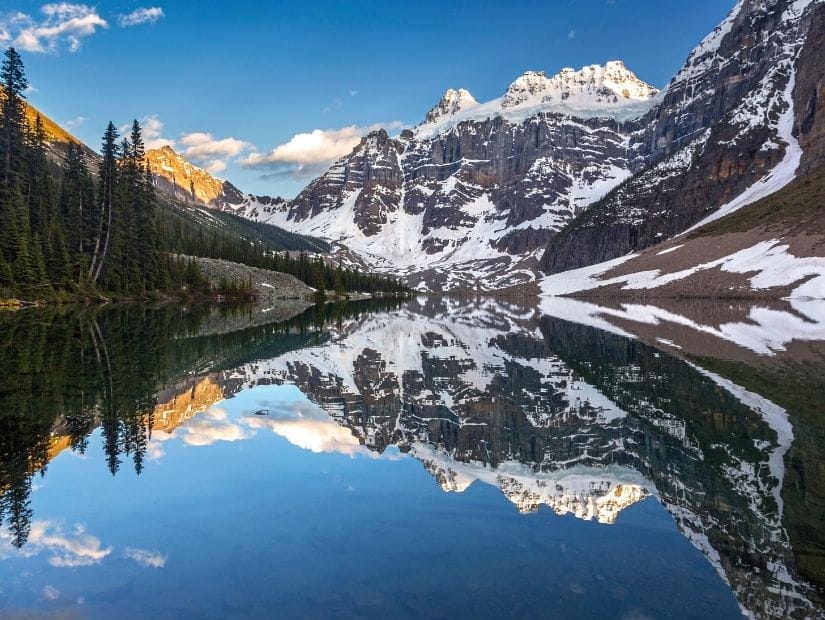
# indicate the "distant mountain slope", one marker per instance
pixel 195 220
pixel 184 181
pixel 205 214
pixel 56 136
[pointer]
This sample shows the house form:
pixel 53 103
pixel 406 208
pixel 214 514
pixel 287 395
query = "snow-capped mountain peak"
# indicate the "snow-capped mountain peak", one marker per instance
pixel 593 86
pixel 595 91
pixel 452 101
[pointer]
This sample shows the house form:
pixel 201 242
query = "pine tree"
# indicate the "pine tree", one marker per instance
pixel 12 116
pixel 107 187
pixel 9 232
pixel 77 212
pixel 6 276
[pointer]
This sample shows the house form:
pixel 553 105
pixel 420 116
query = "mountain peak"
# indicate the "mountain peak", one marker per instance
pixel 451 102
pixel 178 177
pixel 606 91
pixel 590 86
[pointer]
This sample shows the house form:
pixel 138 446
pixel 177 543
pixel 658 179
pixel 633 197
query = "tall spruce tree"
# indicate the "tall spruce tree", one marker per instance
pixel 12 116
pixel 107 192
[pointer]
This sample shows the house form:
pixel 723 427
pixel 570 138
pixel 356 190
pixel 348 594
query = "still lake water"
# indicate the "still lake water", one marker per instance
pixel 420 459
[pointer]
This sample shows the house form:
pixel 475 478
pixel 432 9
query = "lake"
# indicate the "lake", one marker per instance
pixel 428 458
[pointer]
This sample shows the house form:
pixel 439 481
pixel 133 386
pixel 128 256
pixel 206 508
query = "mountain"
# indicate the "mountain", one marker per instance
pixel 579 167
pixel 178 178
pixel 477 190
pixel 724 134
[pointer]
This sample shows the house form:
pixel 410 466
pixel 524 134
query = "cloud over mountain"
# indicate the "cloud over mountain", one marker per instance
pixel 305 154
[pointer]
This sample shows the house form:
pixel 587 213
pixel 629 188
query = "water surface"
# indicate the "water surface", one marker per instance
pixel 431 458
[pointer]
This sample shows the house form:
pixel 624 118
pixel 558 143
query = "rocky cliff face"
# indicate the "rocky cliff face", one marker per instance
pixel 722 127
pixel 809 96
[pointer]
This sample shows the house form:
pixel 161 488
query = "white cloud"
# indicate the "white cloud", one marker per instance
pixel 50 593
pixel 142 15
pixel 155 450
pixel 571 34
pixel 200 145
pixel 76 122
pixel 149 559
pixel 63 23
pixel 215 166
pixel 67 550
pixel 153 133
pixel 310 428
pixel 210 152
pixel 212 426
pixel 305 154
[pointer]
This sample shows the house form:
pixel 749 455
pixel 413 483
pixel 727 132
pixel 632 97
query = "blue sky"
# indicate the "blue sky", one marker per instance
pixel 221 80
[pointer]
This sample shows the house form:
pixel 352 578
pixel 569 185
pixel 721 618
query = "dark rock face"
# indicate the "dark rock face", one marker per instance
pixel 715 133
pixel 373 167
pixel 809 96
pixel 733 61
pixel 661 202
pixel 507 187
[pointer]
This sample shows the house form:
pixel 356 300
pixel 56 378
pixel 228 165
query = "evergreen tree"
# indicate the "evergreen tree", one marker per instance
pixel 12 116
pixel 107 188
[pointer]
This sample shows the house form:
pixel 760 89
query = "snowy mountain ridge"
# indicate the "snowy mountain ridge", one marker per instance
pixel 609 91
pixel 452 101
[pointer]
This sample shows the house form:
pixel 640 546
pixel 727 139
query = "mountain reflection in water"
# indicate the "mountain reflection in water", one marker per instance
pixel 719 420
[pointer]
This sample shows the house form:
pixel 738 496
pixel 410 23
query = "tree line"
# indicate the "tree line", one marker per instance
pixel 186 238
pixel 69 230
pixel 65 229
